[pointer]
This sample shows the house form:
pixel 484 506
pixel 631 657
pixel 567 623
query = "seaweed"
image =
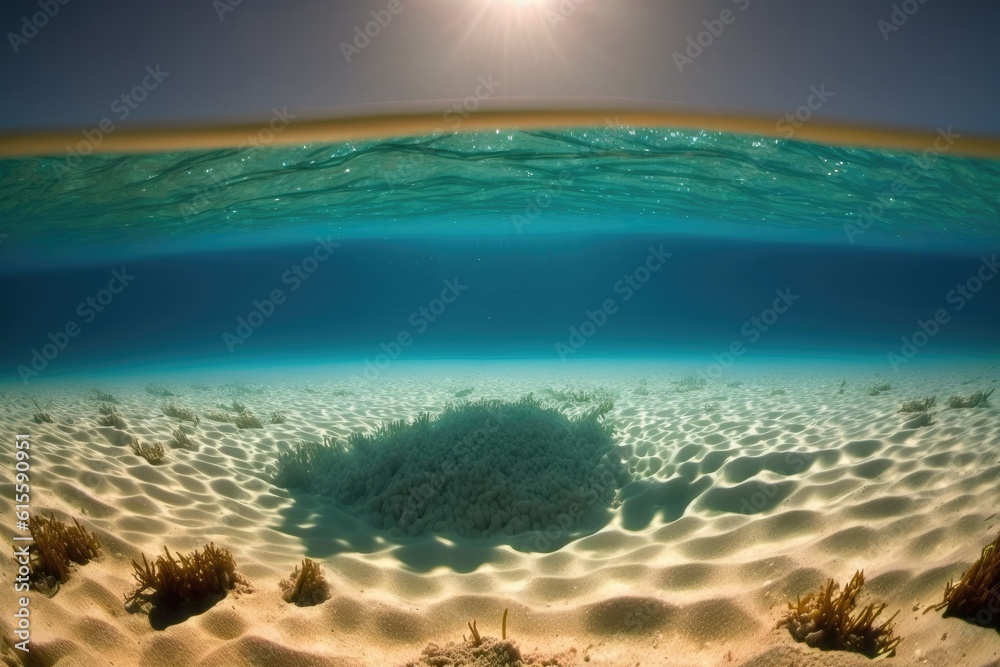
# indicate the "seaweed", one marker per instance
pixel 182 440
pixel 878 388
pixel 922 405
pixel 247 420
pixel 111 417
pixel 482 651
pixel 219 416
pixel 55 546
pixel 103 396
pixel 174 583
pixel 580 396
pixel 306 586
pixel 376 475
pixel 40 416
pixel 184 414
pixel 642 389
pixel 824 620
pixel 689 383
pixel 462 393
pixel 158 390
pixel 976 595
pixel 153 453
pixel 980 399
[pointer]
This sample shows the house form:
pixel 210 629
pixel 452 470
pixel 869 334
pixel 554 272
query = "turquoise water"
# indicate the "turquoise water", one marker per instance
pixel 559 245
pixel 711 342
pixel 615 180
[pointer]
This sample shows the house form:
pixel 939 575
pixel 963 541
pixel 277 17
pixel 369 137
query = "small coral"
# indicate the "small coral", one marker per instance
pixel 462 393
pixel 41 416
pixel 184 414
pixel 306 586
pixel 182 439
pixel 980 399
pixel 153 453
pixel 923 405
pixel 158 390
pixel 277 418
pixel 219 416
pixel 481 651
pixel 56 545
pixel 975 596
pixel 878 388
pixel 174 583
pixel 111 417
pixel 247 420
pixel 824 620
pixel 103 396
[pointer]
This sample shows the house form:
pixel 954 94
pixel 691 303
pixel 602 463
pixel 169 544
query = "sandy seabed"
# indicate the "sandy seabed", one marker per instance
pixel 747 492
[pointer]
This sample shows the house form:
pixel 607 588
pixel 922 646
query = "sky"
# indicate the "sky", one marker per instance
pixel 66 64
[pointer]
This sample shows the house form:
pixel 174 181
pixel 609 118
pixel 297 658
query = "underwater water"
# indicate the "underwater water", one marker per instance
pixel 641 387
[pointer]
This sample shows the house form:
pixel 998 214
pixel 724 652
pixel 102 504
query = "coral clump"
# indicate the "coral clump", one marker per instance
pixel 111 417
pixel 247 419
pixel 825 620
pixel 980 399
pixel 55 546
pixel 181 439
pixel 479 469
pixel 922 405
pixel 178 412
pixel 153 453
pixel 976 597
pixel 197 577
pixel 306 586
pixel 479 651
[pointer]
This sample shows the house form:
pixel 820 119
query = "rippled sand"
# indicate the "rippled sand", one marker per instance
pixel 744 496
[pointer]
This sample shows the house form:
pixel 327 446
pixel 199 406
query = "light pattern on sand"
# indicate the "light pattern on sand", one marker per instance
pixel 744 496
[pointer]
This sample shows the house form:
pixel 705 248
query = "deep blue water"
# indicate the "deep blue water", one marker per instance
pixel 510 297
